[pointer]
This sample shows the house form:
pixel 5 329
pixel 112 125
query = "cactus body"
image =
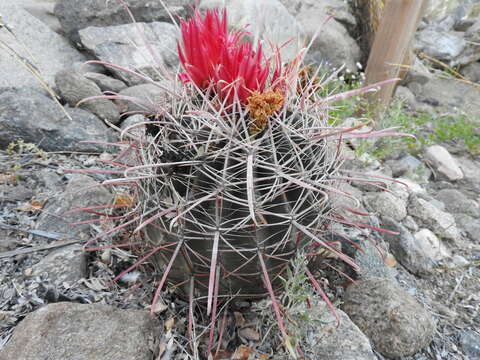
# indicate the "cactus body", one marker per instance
pixel 239 199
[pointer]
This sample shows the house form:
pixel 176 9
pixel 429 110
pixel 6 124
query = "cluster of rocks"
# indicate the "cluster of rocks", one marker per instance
pixel 432 218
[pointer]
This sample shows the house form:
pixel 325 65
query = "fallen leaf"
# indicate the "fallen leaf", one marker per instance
pixel 249 334
pixel 242 353
pixel 123 200
pixel 169 324
pixel 32 206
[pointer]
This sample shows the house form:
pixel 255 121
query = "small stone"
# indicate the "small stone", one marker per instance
pixel 53 218
pixel 441 45
pixel 407 250
pixel 431 245
pixel 322 339
pixel 472 72
pixel 390 317
pixel 442 223
pixel 441 160
pixel 144 97
pixel 386 204
pixel 15 193
pixel 132 125
pixel 67 264
pixel 410 167
pixel 457 203
pixel 75 87
pixel 105 83
pixel 63 330
pixel 470 342
pixel 410 224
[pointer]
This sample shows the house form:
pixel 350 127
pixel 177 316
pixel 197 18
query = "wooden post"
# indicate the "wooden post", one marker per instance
pixel 390 49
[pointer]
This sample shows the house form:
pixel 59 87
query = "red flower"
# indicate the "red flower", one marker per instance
pixel 214 57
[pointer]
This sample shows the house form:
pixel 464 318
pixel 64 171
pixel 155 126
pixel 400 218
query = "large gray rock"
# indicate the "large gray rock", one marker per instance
pixel 446 94
pixel 35 42
pixel 29 115
pixel 145 48
pixel 75 196
pixel 75 15
pixel 406 249
pixel 390 317
pixel 84 332
pixel 265 20
pixel 41 9
pixel 74 87
pixel 333 43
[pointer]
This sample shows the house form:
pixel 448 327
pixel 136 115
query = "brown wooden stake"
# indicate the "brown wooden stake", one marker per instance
pixel 390 50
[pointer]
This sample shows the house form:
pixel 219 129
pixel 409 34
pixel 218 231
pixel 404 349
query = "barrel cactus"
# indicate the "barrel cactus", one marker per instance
pixel 234 172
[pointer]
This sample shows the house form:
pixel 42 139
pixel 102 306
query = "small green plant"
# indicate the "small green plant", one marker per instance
pixel 20 148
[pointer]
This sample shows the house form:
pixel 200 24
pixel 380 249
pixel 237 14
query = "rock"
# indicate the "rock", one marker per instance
pixel 144 98
pixel 371 261
pixel 85 67
pixel 84 332
pixel 47 51
pixel 470 225
pixel 440 45
pixel 471 171
pixel 75 196
pixel 351 201
pixel 346 342
pixel 15 193
pixel 41 9
pixel 266 20
pixel 34 117
pixel 409 253
pixel 457 203
pixel 446 94
pixel 74 87
pixel 67 264
pixel 443 162
pixel 409 166
pixel 8 240
pixel 390 317
pixel 431 246
pixel 129 125
pixel 74 16
pixel 105 83
pixel 386 204
pixel 472 72
pixel 333 44
pixel 470 342
pixel 405 95
pixel 442 223
pixel 124 45
pixel 403 184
